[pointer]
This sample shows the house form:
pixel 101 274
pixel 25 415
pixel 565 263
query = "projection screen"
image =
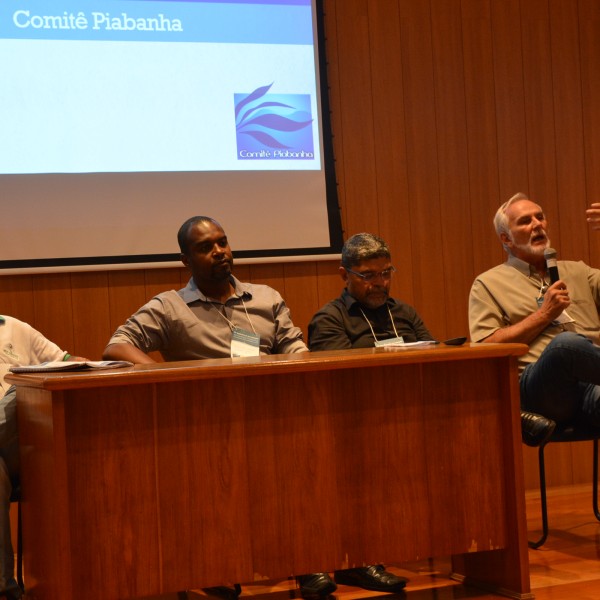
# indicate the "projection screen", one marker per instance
pixel 121 119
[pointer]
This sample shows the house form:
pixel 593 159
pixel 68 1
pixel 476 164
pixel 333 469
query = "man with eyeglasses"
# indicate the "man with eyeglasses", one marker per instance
pixel 364 316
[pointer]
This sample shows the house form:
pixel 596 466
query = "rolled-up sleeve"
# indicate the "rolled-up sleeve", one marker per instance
pixel 485 315
pixel 147 329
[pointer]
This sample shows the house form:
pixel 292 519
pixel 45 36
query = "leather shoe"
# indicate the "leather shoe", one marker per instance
pixel 535 429
pixel 12 590
pixel 224 592
pixel 316 585
pixel 374 578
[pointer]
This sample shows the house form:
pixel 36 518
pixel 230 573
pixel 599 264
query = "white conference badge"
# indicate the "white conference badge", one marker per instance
pixel 563 318
pixel 244 343
pixel 395 341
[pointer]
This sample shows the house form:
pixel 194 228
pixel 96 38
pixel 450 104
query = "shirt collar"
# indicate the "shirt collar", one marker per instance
pixel 522 266
pixel 190 293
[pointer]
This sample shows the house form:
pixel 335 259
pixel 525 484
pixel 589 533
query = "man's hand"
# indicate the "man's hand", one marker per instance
pixel 593 215
pixel 556 299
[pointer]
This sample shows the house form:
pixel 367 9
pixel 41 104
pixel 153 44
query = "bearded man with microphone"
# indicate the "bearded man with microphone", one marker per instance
pixel 552 306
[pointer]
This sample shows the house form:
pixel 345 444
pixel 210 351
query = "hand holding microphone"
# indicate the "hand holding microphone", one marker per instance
pixel 556 298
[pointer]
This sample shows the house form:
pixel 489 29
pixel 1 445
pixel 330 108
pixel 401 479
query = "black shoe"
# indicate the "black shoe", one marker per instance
pixel 224 592
pixel 535 429
pixel 374 578
pixel 316 585
pixel 12 591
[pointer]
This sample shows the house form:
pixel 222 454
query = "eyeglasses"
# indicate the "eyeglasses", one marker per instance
pixel 370 276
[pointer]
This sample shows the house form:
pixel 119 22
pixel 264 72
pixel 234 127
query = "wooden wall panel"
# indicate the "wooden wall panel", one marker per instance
pixel 17 297
pixel 356 104
pixel 53 308
pixel 126 293
pixel 539 109
pixel 301 287
pixel 159 280
pixel 480 102
pixel 589 52
pixel 441 110
pixel 329 282
pixel 449 62
pixel 393 200
pixel 568 119
pixel 509 98
pixel 482 151
pixel 422 161
pixel 91 312
pixel 509 102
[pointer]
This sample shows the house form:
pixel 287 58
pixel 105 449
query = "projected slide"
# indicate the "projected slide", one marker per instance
pixel 121 119
pixel 119 86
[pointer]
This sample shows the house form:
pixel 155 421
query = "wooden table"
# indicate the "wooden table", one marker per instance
pixel 160 478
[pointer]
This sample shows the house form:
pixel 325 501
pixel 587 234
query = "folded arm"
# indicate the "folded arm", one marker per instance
pixel 125 351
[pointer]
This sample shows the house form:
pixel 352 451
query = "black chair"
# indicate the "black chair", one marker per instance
pixel 15 496
pixel 566 434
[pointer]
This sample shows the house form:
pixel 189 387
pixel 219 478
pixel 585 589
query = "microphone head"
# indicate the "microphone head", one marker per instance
pixel 551 264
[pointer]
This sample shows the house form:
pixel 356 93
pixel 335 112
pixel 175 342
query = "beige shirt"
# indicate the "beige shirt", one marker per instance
pixel 21 344
pixel 508 293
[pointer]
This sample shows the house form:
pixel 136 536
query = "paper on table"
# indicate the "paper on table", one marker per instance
pixel 74 365
pixel 409 344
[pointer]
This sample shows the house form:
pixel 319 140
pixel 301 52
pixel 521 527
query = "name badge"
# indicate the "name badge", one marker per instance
pixel 563 318
pixel 395 341
pixel 244 343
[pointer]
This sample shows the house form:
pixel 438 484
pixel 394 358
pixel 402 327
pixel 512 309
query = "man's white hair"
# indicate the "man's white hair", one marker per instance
pixel 500 218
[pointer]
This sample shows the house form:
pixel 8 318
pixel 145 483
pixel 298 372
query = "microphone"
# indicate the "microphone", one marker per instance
pixel 551 264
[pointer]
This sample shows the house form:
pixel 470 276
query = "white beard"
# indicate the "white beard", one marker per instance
pixel 528 248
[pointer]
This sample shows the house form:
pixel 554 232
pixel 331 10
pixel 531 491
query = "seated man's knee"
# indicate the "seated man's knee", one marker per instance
pixel 569 340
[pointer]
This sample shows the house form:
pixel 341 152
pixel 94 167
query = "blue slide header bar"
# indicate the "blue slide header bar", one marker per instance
pixel 284 2
pixel 241 22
